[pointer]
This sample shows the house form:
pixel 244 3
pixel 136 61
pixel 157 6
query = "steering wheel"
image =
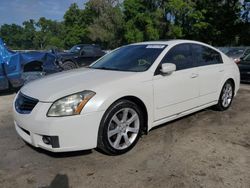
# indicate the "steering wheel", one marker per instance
pixel 143 62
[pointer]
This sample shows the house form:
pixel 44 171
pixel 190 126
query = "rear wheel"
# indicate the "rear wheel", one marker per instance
pixel 68 65
pixel 120 128
pixel 226 96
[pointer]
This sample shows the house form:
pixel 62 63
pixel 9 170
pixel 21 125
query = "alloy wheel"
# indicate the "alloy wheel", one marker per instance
pixel 123 128
pixel 227 95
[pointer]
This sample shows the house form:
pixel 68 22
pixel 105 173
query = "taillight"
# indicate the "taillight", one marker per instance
pixel 237 61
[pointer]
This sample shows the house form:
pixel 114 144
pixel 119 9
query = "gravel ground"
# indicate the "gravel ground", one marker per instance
pixel 207 149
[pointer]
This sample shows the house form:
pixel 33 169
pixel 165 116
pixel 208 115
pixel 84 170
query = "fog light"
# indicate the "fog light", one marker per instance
pixel 47 140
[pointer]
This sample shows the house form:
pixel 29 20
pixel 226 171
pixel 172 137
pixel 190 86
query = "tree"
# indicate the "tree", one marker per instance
pixel 223 18
pixel 107 24
pixel 75 26
pixel 144 20
pixel 28 34
pixel 112 23
pixel 12 35
pixel 49 33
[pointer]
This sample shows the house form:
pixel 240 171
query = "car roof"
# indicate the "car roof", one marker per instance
pixel 80 45
pixel 174 42
pixel 171 42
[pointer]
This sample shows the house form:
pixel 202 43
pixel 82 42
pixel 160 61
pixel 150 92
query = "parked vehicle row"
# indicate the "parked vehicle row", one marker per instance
pixel 241 56
pixel 124 94
pixel 81 55
pixel 18 68
pixel 244 66
pixel 236 53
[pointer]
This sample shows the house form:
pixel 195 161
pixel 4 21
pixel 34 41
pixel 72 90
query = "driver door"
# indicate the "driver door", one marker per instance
pixel 87 56
pixel 179 91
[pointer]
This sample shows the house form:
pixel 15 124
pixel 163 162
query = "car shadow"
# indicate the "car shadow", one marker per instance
pixel 7 92
pixel 184 117
pixel 245 82
pixel 60 154
pixel 59 181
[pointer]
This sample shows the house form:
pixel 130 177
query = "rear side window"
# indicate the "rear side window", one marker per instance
pixel 180 55
pixel 205 56
pixel 89 50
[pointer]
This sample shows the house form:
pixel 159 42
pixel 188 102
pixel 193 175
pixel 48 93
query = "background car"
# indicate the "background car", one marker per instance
pixel 236 53
pixel 244 66
pixel 17 68
pixel 79 56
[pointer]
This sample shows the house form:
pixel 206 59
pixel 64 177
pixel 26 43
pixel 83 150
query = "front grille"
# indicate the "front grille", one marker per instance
pixel 25 104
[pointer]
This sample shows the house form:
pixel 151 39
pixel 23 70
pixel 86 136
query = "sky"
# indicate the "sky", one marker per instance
pixel 17 11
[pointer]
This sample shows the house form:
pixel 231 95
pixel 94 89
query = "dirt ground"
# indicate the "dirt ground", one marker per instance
pixel 207 149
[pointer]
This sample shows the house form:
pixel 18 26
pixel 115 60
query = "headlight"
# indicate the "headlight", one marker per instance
pixel 70 105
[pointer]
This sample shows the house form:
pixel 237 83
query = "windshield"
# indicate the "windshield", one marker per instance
pixel 75 49
pixel 135 58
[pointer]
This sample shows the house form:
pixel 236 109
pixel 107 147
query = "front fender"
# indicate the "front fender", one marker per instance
pixel 105 98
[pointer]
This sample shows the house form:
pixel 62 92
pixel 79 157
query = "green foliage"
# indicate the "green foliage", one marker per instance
pixel 143 19
pixel 107 25
pixel 112 23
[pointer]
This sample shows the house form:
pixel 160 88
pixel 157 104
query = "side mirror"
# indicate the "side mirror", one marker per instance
pixel 168 68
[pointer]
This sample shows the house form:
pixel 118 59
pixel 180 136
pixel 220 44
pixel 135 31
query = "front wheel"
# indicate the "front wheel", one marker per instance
pixel 120 128
pixel 68 65
pixel 226 96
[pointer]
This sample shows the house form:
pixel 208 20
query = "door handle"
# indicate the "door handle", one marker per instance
pixel 222 70
pixel 194 75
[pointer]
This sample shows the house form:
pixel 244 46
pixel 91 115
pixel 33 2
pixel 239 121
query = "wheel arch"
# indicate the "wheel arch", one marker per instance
pixel 137 101
pixel 142 106
pixel 30 66
pixel 233 82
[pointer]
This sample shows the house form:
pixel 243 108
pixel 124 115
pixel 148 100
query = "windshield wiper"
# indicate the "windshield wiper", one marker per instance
pixel 106 68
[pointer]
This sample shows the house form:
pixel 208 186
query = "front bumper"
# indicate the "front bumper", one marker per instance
pixel 79 132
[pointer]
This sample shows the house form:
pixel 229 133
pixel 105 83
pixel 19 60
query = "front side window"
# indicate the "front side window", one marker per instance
pixel 134 58
pixel 205 55
pixel 88 50
pixel 75 49
pixel 179 55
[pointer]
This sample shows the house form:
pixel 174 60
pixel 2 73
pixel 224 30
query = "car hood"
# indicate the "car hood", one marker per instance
pixel 56 86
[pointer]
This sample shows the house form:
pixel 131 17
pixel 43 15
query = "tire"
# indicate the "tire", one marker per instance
pixel 120 128
pixel 226 96
pixel 68 65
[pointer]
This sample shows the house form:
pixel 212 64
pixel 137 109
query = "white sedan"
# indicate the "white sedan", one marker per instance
pixel 124 94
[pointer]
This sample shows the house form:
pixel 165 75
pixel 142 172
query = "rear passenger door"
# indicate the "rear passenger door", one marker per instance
pixel 179 91
pixel 211 71
pixel 87 56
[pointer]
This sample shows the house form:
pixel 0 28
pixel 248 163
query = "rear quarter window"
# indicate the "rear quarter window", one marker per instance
pixel 204 56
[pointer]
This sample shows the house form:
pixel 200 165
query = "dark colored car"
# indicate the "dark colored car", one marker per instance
pixel 238 52
pixel 17 68
pixel 244 67
pixel 79 56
